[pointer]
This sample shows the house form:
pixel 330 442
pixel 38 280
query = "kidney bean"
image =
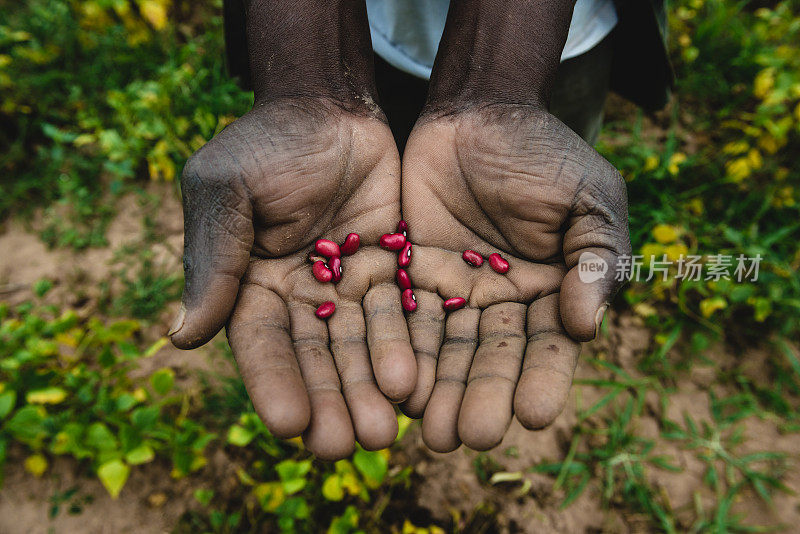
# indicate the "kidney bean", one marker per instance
pixel 327 248
pixel 403 280
pixel 455 303
pixel 321 272
pixel 350 245
pixel 402 228
pixel 498 263
pixel 313 257
pixel 335 265
pixel 408 300
pixel 393 241
pixel 404 258
pixel 473 258
pixel 325 310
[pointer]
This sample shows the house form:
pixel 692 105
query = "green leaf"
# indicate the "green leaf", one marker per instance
pixel 140 455
pixel 7 401
pixel 372 465
pixel 289 469
pixel 292 475
pixel 51 395
pixel 113 475
pixel 163 380
pixel 125 402
pixel 345 523
pixel 240 436
pixel 98 436
pixel 203 496
pixel 332 488
pixel 145 418
pixel 27 423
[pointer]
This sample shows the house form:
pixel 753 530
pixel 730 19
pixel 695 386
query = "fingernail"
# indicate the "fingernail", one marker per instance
pixel 598 319
pixel 178 324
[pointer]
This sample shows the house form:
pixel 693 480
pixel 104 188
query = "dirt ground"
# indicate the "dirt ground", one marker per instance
pixel 152 501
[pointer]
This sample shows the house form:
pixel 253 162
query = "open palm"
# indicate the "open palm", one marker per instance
pixel 256 198
pixel 510 179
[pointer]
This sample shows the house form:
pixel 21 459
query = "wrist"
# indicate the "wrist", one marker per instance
pixel 311 49
pixel 499 51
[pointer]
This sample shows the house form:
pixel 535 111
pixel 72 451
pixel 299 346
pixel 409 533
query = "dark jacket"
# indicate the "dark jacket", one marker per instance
pixel 641 71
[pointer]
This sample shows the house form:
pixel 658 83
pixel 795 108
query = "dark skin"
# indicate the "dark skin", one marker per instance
pixel 485 168
pixel 314 157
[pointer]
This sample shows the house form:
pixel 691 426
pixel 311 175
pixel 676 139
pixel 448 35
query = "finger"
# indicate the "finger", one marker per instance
pixel 372 415
pixel 440 423
pixel 426 327
pixel 550 359
pixel 389 344
pixel 258 333
pixel 217 242
pixel 596 237
pixel 487 406
pixel 330 433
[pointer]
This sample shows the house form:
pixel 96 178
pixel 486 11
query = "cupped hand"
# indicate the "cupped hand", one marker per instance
pixel 515 180
pixel 256 198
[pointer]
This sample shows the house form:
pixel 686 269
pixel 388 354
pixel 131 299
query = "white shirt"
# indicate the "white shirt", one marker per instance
pixel 406 33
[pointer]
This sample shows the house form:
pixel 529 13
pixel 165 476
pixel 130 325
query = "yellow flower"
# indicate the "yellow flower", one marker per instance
pixel 755 159
pixel 736 147
pixel 710 305
pixel 764 82
pixel 665 234
pixel 797 112
pixel 643 309
pixel 52 395
pixel 676 251
pixel 155 13
pixel 770 144
pixel 36 464
pixel 684 40
pixel 738 169
pixel 696 206
pixel 677 159
pixel 651 163
pixel 651 251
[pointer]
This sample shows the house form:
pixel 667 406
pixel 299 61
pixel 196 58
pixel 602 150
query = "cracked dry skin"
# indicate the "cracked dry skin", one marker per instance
pixel 255 199
pixel 515 180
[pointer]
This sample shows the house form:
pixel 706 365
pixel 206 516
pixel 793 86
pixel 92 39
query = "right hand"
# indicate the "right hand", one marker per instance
pixel 256 198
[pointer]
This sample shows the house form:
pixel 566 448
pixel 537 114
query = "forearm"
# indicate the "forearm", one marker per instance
pixel 499 51
pixel 311 48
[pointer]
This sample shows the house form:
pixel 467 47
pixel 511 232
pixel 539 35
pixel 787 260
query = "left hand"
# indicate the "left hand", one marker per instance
pixel 513 179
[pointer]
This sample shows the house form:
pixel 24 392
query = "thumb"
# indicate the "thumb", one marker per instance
pixel 218 237
pixel 595 241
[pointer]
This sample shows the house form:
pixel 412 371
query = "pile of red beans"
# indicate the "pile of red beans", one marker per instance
pixel 327 266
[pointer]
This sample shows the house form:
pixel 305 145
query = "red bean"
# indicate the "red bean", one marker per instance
pixel 403 280
pixel 473 258
pixel 350 245
pixel 327 248
pixel 408 300
pixel 393 241
pixel 321 272
pixel 335 265
pixel 404 258
pixel 325 310
pixel 455 303
pixel 498 263
pixel 402 228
